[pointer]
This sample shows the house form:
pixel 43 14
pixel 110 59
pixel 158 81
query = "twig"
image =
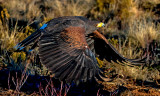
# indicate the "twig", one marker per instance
pixel 50 90
pixel 8 81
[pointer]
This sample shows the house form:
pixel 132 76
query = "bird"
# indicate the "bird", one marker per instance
pixel 68 46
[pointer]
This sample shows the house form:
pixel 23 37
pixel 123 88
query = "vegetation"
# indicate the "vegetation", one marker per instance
pixel 134 30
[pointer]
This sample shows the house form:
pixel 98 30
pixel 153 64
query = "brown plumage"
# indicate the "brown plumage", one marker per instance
pixel 67 48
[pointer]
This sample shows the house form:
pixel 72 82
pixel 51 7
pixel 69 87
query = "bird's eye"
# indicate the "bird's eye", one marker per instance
pixel 100 24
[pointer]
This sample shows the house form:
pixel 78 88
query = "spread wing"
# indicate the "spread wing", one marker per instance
pixel 67 55
pixel 106 51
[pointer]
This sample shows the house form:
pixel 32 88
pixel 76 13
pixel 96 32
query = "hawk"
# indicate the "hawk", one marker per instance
pixel 67 47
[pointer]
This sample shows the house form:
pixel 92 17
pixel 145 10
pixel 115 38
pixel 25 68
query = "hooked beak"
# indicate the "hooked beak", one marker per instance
pixel 101 24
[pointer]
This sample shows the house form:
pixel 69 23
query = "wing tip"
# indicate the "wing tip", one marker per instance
pixel 101 77
pixel 30 50
pixel 18 47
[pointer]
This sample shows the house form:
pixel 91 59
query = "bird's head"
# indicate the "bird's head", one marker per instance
pixel 92 26
pixel 95 26
pixel 100 27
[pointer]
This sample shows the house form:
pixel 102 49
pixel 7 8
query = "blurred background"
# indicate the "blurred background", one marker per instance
pixel 133 30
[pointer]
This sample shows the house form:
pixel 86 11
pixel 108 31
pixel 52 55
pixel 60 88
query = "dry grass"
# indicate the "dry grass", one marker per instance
pixel 59 8
pixel 140 91
pixel 35 9
pixel 135 73
pixel 128 47
pixel 23 9
pixel 8 38
pixel 144 32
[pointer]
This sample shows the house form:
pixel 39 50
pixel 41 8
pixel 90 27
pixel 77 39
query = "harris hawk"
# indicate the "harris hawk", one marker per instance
pixel 67 47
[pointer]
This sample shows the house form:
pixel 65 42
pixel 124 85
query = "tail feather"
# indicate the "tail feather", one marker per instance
pixel 32 38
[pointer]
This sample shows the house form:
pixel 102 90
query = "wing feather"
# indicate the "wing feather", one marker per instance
pixel 106 51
